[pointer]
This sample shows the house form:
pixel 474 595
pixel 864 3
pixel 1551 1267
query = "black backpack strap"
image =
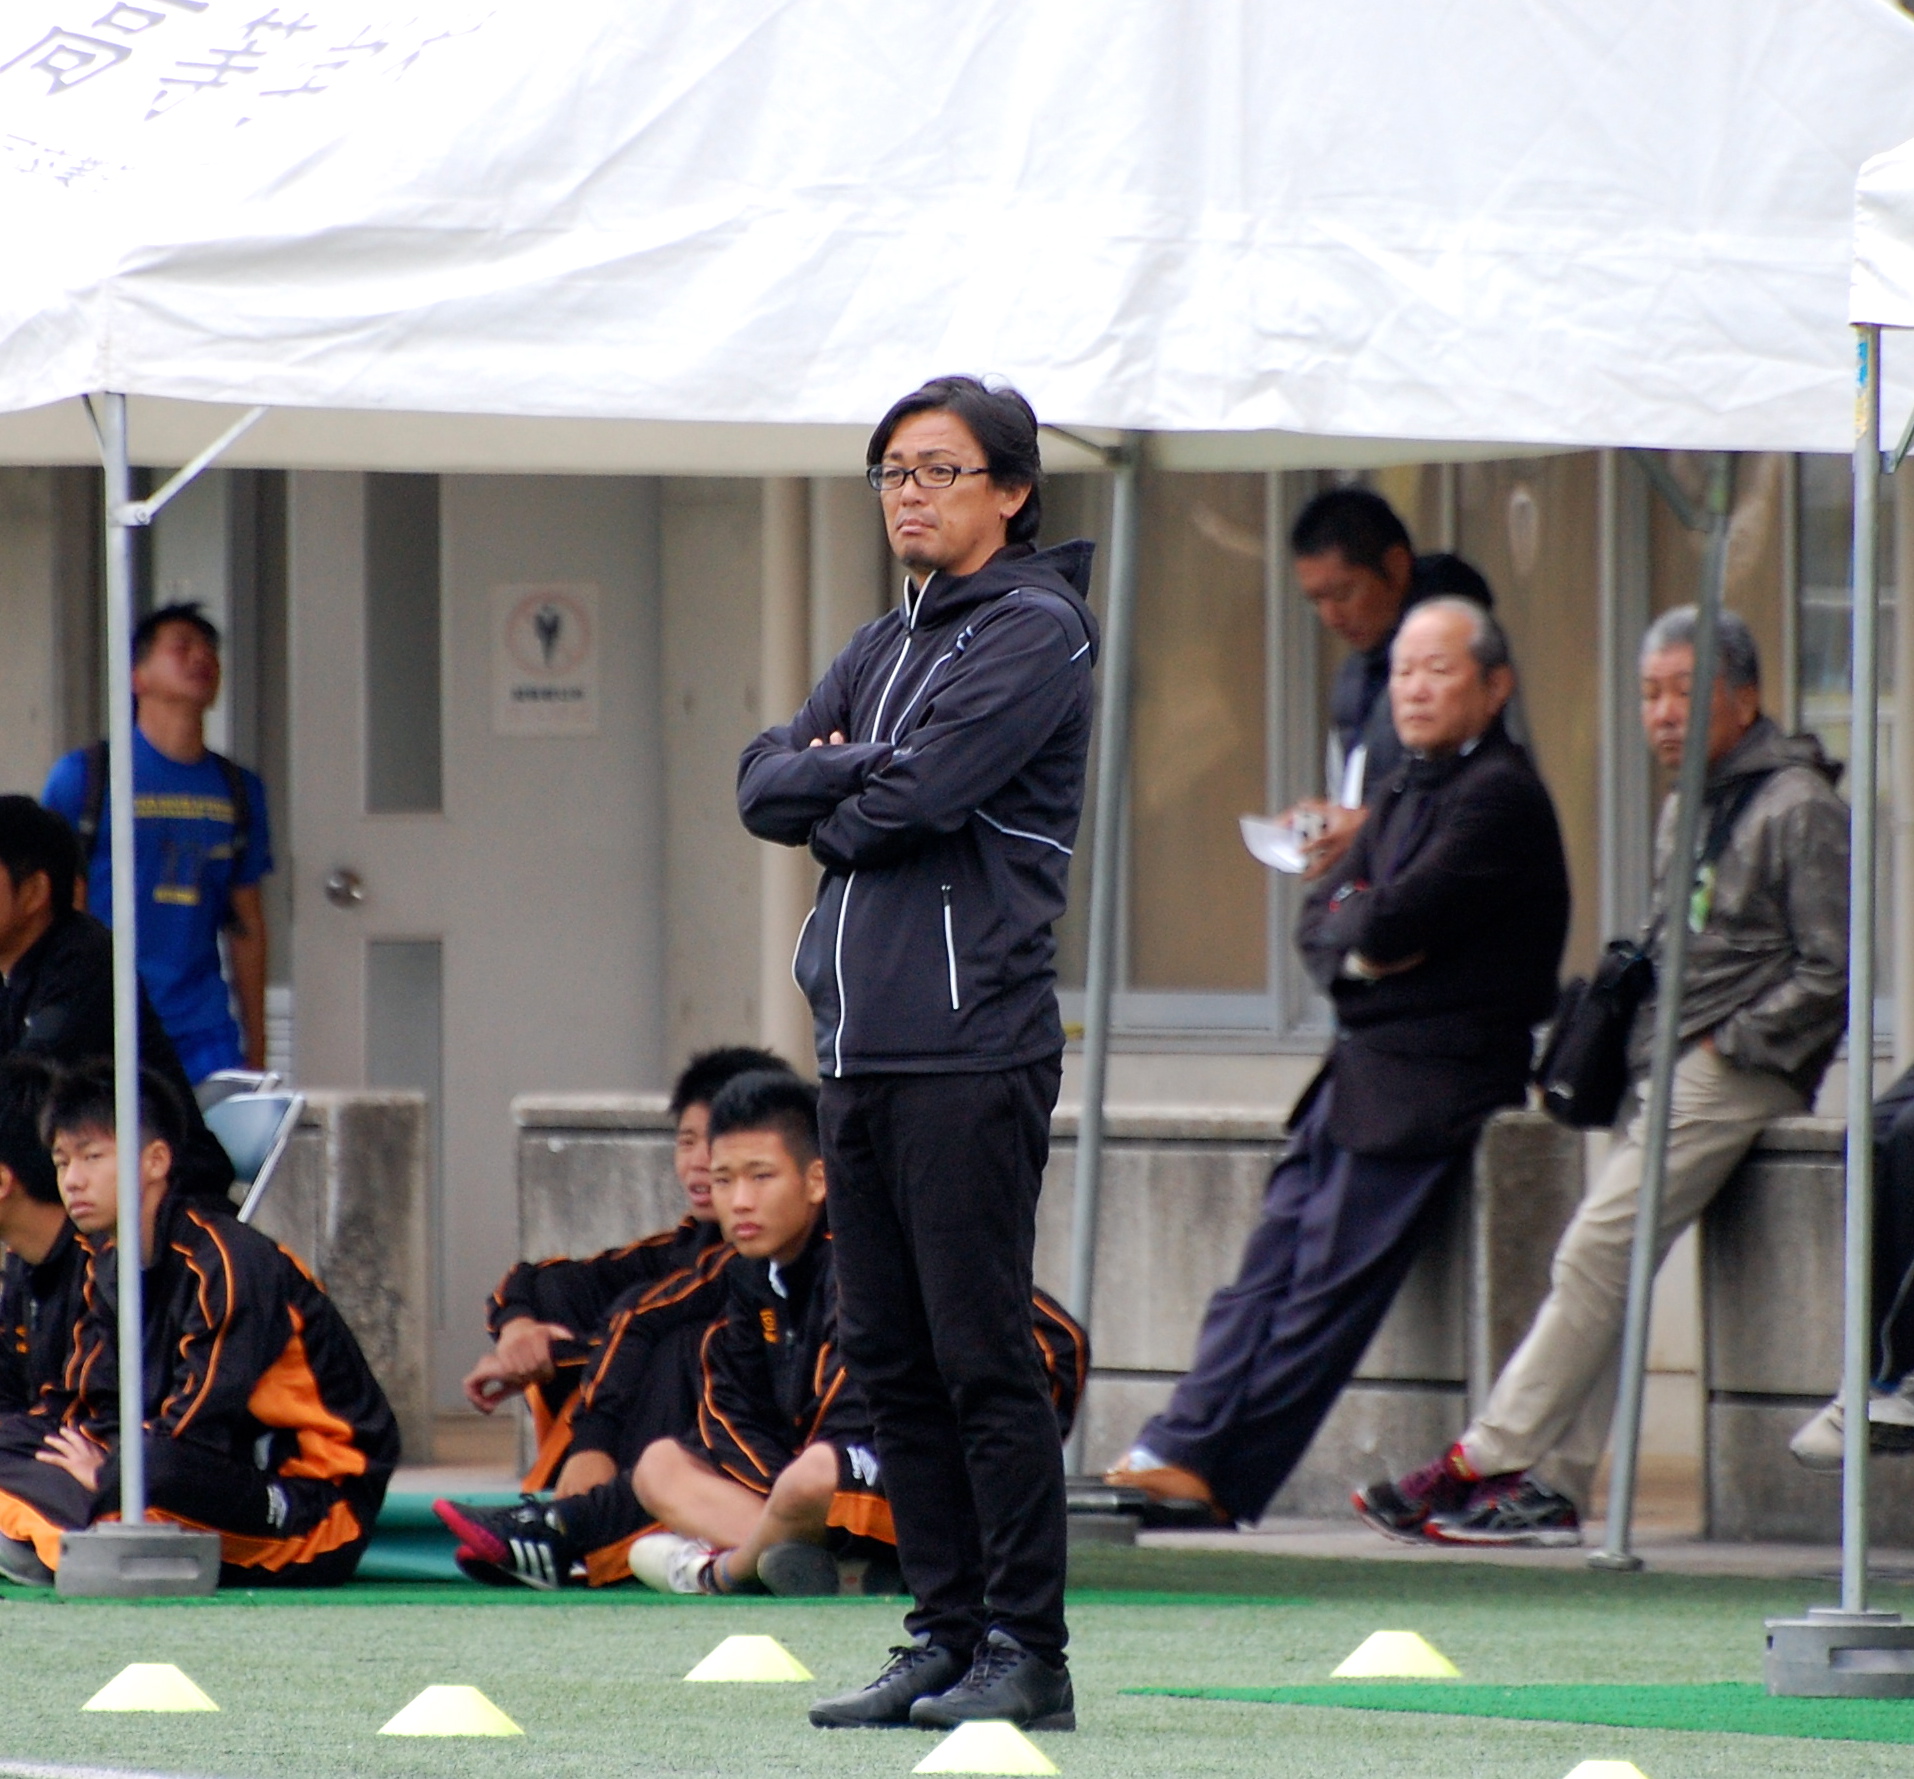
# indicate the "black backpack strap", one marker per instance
pixel 242 824
pixel 93 782
pixel 241 801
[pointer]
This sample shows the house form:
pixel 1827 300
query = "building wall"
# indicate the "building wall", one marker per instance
pixel 49 617
pixel 711 556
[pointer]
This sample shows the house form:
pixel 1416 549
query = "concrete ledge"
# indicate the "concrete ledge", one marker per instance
pixel 1772 1247
pixel 592 1111
pixel 1182 1190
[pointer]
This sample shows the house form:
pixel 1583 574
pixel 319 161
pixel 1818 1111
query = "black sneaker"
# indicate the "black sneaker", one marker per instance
pixel 1006 1683
pixel 913 1670
pixel 797 1569
pixel 1402 1508
pixel 1514 1510
pixel 20 1564
pixel 527 1542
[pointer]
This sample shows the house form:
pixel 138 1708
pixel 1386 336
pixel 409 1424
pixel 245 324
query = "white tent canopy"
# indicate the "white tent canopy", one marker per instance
pixel 1883 291
pixel 632 234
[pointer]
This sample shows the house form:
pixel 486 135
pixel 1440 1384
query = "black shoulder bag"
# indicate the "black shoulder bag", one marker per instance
pixel 1584 1068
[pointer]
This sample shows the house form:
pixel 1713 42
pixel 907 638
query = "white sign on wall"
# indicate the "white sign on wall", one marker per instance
pixel 545 659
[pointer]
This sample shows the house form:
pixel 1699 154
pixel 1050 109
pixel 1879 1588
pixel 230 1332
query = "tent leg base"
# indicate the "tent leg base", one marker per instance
pixel 1620 1562
pixel 119 1562
pixel 1832 1654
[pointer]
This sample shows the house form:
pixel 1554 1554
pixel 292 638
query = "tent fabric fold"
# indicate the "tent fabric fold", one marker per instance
pixel 1556 222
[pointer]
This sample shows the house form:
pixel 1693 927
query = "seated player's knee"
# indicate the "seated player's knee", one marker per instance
pixel 808 1482
pixel 658 1465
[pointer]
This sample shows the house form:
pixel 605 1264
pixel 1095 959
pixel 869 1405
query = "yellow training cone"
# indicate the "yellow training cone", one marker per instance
pixel 986 1747
pixel 1396 1655
pixel 451 1711
pixel 149 1686
pixel 750 1658
pixel 1608 1769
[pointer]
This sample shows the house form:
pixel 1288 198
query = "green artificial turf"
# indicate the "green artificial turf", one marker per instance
pixel 1725 1707
pixel 305 1681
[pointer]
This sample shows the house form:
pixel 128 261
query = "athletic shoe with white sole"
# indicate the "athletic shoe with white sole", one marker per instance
pixel 1401 1509
pixel 528 1543
pixel 1820 1443
pixel 668 1563
pixel 1513 1510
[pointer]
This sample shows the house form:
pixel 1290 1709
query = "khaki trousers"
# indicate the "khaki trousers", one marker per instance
pixel 1550 1409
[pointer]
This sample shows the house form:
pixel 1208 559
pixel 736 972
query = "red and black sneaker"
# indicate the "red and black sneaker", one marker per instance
pixel 1402 1508
pixel 527 1543
pixel 1510 1510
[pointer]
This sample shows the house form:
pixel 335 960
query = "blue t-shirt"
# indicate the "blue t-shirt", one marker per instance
pixel 183 824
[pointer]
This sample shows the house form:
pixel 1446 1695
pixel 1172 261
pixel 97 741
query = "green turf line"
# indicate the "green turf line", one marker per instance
pixel 1727 1707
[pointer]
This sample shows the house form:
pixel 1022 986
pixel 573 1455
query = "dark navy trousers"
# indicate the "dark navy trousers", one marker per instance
pixel 1337 1235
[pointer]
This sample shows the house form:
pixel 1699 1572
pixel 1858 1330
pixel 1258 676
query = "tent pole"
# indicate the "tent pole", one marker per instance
pixel 1857 1364
pixel 1850 1651
pixel 1677 887
pixel 1113 759
pixel 126 981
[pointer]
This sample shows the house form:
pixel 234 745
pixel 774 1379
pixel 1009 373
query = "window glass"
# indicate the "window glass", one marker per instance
pixel 1530 526
pixel 1824 656
pixel 1199 904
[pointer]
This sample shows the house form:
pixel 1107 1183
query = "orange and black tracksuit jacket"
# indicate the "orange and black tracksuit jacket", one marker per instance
pixel 775 1383
pixel 263 1421
pixel 40 1311
pixel 584 1295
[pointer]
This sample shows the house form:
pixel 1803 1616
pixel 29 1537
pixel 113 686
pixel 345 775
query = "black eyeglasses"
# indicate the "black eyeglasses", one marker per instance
pixel 887 478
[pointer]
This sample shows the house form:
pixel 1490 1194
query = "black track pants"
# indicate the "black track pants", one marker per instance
pixel 933 1208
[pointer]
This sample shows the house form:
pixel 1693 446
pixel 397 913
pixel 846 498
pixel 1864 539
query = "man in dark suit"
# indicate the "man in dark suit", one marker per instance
pixel 1438 937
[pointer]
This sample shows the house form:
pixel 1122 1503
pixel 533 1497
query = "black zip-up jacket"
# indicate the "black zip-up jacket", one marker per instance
pixel 587 1295
pixel 1460 867
pixel 40 1310
pixel 58 1004
pixel 243 1353
pixel 774 1379
pixel 944 823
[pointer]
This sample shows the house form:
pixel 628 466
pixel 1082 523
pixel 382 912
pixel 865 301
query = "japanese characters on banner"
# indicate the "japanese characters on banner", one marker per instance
pixel 92 72
pixel 545 647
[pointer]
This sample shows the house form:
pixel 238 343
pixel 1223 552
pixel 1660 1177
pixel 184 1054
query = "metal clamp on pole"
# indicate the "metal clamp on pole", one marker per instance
pixel 1113 758
pixel 131 1558
pixel 1849 1651
pixel 1677 888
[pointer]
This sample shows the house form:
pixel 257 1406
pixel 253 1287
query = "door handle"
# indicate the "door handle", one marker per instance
pixel 345 888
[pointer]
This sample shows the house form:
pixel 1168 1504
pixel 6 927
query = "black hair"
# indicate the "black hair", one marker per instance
pixel 33 838
pixel 707 1072
pixel 82 1099
pixel 770 1099
pixel 24 1081
pixel 1005 427
pixel 1443 572
pixel 146 631
pixel 1356 521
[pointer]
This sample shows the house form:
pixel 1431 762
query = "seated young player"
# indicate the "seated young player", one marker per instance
pixel 42 1280
pixel 779 1459
pixel 771 1385
pixel 554 1321
pixel 263 1422
pixel 783 1450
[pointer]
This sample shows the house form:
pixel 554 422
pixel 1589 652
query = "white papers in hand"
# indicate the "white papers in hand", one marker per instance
pixel 1276 844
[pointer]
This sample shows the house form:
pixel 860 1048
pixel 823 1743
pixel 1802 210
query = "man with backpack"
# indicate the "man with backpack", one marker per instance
pixel 202 846
pixel 1763 1005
